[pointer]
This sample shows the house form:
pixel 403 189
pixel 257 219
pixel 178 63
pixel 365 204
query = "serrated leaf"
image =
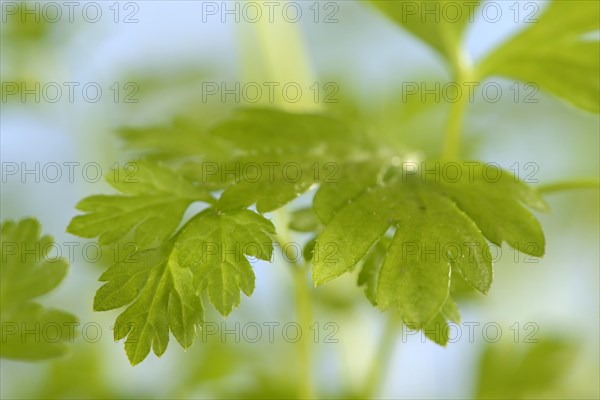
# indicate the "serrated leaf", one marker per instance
pixel 439 223
pixel 495 204
pixel 163 285
pixel 214 245
pixel 28 270
pixel 442 29
pixel 415 275
pixel 162 282
pixel 154 201
pixel 265 157
pixel 555 54
pixel 163 299
pixel 269 184
pixel 436 329
pixel 275 157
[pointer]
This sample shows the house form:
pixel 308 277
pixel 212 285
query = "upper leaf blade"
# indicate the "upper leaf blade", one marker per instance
pixel 440 24
pixel 560 53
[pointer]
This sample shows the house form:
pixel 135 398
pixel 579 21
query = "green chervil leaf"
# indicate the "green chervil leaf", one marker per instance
pixel 555 54
pixel 436 329
pixel 163 281
pixel 441 29
pixel 165 142
pixel 163 299
pixel 369 272
pixel 153 202
pixel 255 130
pixel 441 223
pixel 163 285
pixel 214 245
pixel 441 220
pixel 269 184
pixel 275 157
pixel 257 156
pixel 30 331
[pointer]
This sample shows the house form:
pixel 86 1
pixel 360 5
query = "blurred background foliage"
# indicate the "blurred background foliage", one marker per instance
pixel 169 54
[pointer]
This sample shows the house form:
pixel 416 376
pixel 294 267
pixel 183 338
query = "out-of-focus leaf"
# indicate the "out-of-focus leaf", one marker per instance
pixel 30 331
pixel 442 29
pixel 304 220
pixel 555 54
pixel 23 22
pixel 507 371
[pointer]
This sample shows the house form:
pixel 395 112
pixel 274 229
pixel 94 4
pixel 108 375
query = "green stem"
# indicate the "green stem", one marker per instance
pixel 303 303
pixel 381 359
pixel 304 315
pixel 586 183
pixel 453 132
pixel 463 74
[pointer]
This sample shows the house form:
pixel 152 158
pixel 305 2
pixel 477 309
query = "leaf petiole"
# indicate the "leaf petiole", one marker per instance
pixel 303 303
pixel 464 74
pixel 584 183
